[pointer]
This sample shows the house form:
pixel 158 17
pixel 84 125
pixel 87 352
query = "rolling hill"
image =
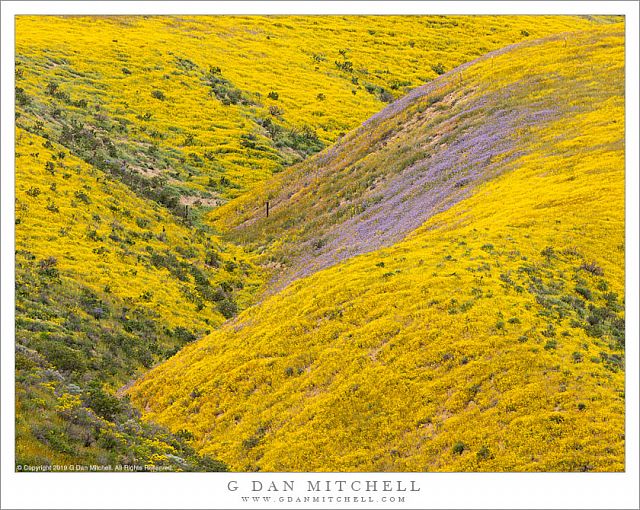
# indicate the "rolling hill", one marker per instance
pixel 146 148
pixel 456 260
pixel 414 159
pixel 196 110
pixel 107 285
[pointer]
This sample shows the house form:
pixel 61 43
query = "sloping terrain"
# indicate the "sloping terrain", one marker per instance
pixel 77 221
pixel 491 338
pixel 414 159
pixel 107 285
pixel 191 111
pixel 129 129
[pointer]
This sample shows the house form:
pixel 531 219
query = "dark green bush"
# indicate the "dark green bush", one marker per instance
pixel 228 308
pixel 346 66
pixel 584 291
pixel 548 252
pixel 438 68
pixel 158 94
pixel 82 196
pixel 224 90
pixel 386 96
pixel 33 192
pixel 593 268
pixel 184 335
pixel 22 99
pixel 212 259
pixel 484 453
pixel 48 267
pixel 209 464
pixel 58 441
pixel 459 448
pixel 62 357
pixel 103 404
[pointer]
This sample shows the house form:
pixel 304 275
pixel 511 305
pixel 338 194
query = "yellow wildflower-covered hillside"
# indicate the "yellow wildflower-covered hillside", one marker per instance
pixel 215 104
pixel 108 284
pixel 490 338
pixel 92 229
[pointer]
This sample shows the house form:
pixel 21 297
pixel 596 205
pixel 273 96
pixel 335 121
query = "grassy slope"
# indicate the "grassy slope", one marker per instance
pixel 504 311
pixel 108 238
pixel 107 284
pixel 414 159
pixel 101 73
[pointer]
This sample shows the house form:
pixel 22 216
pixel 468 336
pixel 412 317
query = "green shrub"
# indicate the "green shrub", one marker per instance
pixel 318 243
pixel 386 96
pixel 556 418
pixel 438 68
pixel 585 292
pixel 251 442
pixel 33 191
pixel 209 465
pixel 59 442
pixel 103 404
pixel 254 440
pixel 593 268
pixel 224 90
pixel 550 331
pixel 228 308
pixel 484 453
pixel 276 111
pixel 82 196
pixel 48 267
pixel 346 66
pixel 158 94
pixel 142 222
pixel 62 357
pixel 22 99
pixel 548 252
pixel 212 259
pixel 459 448
pixel 184 335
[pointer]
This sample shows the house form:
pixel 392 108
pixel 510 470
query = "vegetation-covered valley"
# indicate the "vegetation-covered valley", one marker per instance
pixel 444 247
